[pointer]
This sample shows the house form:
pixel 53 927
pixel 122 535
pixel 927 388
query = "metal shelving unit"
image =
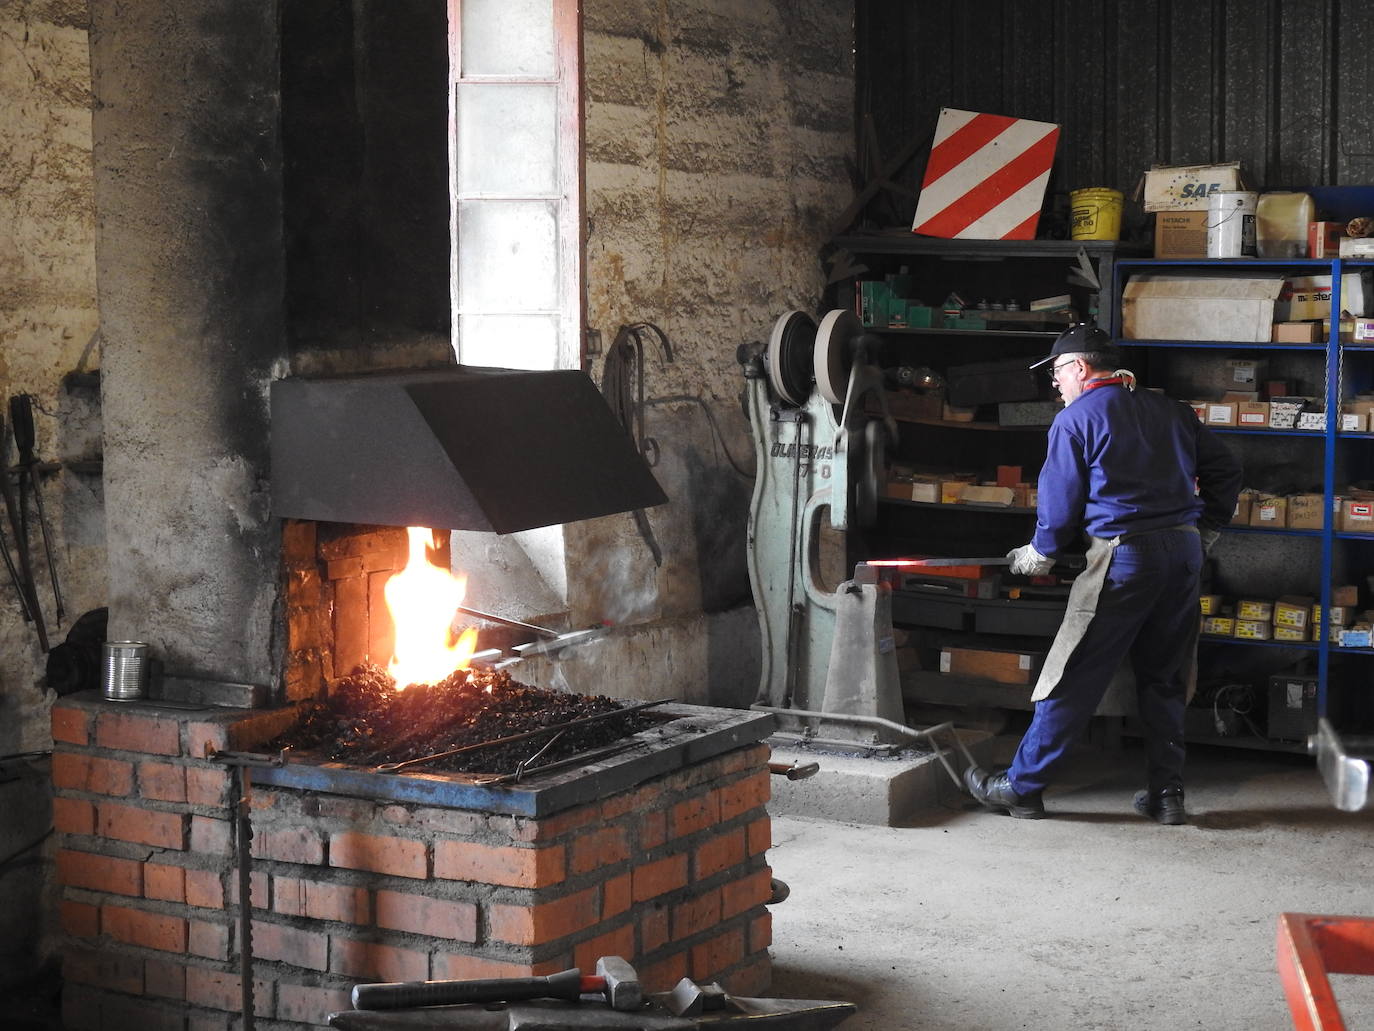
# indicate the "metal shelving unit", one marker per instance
pixel 1332 351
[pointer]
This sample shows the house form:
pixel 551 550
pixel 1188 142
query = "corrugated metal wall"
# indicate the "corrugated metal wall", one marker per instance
pixel 1283 86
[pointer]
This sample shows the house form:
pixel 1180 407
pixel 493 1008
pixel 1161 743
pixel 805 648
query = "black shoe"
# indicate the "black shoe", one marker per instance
pixel 1166 807
pixel 994 791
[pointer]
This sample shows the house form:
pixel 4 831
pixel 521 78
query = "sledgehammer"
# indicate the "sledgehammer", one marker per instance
pixel 614 979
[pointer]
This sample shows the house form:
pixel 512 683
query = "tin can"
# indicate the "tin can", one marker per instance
pixel 125 670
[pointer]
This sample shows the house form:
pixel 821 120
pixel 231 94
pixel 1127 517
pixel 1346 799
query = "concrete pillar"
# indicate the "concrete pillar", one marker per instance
pixel 188 183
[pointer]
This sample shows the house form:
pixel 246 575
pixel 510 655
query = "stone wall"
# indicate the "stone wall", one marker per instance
pixel 47 329
pixel 716 134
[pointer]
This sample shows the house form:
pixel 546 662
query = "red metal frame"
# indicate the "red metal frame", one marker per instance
pixel 1310 947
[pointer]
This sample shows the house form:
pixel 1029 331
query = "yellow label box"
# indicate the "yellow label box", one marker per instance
pixel 1289 633
pixel 1250 609
pixel 1292 610
pixel 1253 629
pixel 1223 626
pixel 1210 603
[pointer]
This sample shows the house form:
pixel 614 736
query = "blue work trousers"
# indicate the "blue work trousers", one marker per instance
pixel 1147 610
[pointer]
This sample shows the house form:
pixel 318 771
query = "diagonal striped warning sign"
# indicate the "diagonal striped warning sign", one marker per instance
pixel 986 176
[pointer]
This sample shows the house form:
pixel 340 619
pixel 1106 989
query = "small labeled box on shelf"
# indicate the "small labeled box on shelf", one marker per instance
pixel 1219 626
pixel 1254 629
pixel 1248 608
pixel 1269 512
pixel 1292 610
pixel 1210 604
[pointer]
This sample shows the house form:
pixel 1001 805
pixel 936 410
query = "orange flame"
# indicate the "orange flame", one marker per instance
pixel 422 599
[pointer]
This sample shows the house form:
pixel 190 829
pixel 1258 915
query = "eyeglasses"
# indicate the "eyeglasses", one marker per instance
pixel 1054 369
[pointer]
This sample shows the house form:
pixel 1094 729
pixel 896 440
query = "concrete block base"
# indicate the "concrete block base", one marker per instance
pixel 885 791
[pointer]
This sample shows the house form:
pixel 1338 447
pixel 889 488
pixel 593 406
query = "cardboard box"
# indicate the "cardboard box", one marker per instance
pixel 1354 422
pixel 1245 373
pixel 1269 512
pixel 984 495
pixel 1004 667
pixel 1293 610
pixel 1210 604
pixel 1163 306
pixel 1354 637
pixel 1357 516
pixel 1297 332
pixel 1181 234
pixel 1346 595
pixel 1314 421
pixel 952 490
pixel 1292 707
pixel 1288 633
pixel 1221 413
pixel 1284 411
pixel 1245 501
pixel 1341 615
pixel 1324 239
pixel 1305 511
pixel 1254 629
pixel 1309 297
pixel 1352 330
pixel 1186 187
pixel 1357 247
pixel 1252 415
pixel 1221 626
pixel 1199 409
pixel 1248 608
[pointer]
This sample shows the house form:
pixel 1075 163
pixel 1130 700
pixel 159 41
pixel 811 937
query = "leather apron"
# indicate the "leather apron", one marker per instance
pixel 1079 612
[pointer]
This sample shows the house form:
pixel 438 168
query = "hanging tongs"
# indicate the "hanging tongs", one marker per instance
pixel 21 416
pixel 23 576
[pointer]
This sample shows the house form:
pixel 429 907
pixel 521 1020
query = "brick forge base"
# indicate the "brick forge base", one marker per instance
pixel 671 874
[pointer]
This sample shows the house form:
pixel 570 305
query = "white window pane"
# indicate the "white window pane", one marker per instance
pixel 508 37
pixel 507 256
pixel 507 139
pixel 509 341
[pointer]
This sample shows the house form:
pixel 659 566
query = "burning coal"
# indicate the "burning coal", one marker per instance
pixel 367 720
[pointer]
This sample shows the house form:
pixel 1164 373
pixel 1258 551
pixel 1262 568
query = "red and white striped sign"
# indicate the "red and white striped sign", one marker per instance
pixel 986 177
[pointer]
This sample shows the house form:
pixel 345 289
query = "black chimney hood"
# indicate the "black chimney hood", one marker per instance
pixel 458 448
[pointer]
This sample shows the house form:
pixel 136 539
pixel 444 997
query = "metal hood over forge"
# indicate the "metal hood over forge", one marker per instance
pixel 462 448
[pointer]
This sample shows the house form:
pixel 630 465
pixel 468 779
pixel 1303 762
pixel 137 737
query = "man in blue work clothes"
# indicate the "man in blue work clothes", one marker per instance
pixel 1150 487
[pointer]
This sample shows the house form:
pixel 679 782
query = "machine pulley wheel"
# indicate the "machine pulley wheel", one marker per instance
pixel 790 348
pixel 835 353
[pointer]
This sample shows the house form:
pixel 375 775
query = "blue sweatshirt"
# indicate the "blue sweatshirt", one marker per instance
pixel 1122 461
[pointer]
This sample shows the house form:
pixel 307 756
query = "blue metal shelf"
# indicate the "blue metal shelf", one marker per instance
pixel 1309 646
pixel 1266 432
pixel 1332 350
pixel 1280 531
pixel 1229 345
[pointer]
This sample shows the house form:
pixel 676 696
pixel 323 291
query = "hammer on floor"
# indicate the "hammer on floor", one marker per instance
pixel 615 980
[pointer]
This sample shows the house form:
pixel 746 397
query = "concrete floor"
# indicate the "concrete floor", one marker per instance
pixel 1092 919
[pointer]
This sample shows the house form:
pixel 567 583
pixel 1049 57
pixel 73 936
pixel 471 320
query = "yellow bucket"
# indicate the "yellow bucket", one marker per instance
pixel 1095 214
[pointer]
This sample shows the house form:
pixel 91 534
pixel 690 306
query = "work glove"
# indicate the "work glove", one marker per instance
pixel 1210 535
pixel 1026 561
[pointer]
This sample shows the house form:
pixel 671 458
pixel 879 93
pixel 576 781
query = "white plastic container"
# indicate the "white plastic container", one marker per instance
pixel 1281 224
pixel 1231 224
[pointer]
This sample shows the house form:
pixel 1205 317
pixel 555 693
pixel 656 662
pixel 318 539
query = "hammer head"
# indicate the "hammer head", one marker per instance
pixel 623 990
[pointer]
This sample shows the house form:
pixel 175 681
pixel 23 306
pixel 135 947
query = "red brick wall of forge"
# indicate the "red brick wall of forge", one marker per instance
pixel 672 875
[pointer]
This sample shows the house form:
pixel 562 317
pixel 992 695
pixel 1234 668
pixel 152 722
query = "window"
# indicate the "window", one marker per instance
pixel 515 132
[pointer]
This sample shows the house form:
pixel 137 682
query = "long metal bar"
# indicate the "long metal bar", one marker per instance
pixel 927 735
pixel 581 759
pixel 524 735
pixel 514 624
pixel 21 416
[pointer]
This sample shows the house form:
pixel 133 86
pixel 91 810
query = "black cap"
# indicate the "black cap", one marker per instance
pixel 1079 339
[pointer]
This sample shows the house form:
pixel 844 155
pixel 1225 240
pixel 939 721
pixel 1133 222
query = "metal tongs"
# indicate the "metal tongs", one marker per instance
pixel 16 511
pixel 557 728
pixel 554 641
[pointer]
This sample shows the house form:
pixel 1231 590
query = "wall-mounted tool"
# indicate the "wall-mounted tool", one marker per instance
pixel 19 527
pixel 21 418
